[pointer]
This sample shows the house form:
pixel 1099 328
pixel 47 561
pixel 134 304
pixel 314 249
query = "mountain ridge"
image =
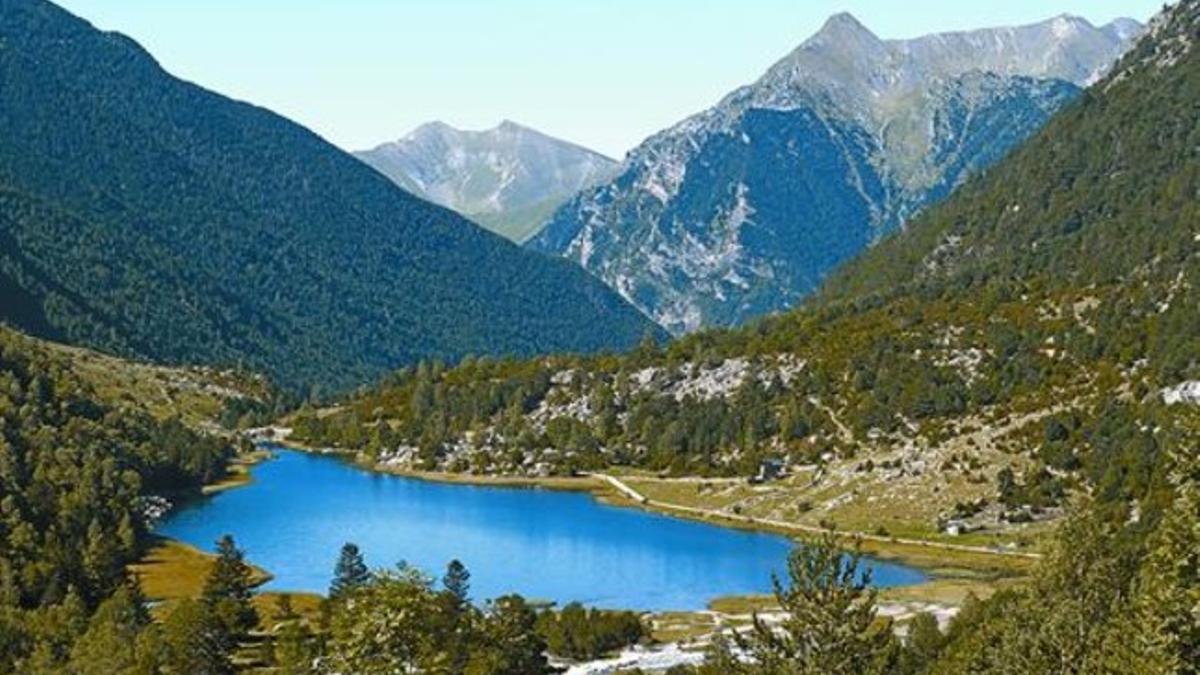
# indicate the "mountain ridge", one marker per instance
pixel 900 122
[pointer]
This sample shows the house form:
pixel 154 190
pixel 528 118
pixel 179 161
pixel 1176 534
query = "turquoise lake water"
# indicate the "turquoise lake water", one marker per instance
pixel 546 545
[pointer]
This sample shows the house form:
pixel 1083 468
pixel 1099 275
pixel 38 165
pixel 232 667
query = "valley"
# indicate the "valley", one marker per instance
pixel 888 363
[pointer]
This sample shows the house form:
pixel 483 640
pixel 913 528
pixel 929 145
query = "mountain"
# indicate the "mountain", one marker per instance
pixel 743 209
pixel 509 179
pixel 146 216
pixel 1020 343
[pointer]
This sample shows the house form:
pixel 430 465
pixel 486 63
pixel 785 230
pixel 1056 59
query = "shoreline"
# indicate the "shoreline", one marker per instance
pixel 939 561
pixel 949 580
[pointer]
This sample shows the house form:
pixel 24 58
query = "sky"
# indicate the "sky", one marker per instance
pixel 601 73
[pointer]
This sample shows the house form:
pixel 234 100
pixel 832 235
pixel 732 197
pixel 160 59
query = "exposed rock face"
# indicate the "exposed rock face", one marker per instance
pixel 743 209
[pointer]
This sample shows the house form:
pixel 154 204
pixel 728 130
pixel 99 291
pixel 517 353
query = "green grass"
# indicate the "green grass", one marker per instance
pixel 952 592
pixel 743 604
pixel 196 395
pixel 781 501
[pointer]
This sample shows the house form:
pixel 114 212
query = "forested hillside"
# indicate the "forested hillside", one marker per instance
pixel 147 216
pixel 1028 353
pixel 81 476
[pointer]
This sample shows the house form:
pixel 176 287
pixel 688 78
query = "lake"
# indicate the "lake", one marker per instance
pixel 544 544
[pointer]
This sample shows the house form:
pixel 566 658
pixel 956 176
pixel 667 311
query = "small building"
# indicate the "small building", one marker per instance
pixel 957 527
pixel 768 470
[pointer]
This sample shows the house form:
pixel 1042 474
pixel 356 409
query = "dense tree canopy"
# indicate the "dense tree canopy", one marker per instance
pixel 75 475
pixel 144 215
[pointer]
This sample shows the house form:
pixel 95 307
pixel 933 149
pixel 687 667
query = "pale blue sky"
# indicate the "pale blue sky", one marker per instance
pixel 603 73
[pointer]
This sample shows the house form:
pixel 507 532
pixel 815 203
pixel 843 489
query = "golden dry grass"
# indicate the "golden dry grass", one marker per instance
pixel 171 570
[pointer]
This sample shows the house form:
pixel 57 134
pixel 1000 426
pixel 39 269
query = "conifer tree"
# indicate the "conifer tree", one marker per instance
pixel 1161 632
pixel 196 641
pixel 456 610
pixel 229 588
pixel 350 572
pixel 457 581
pixel 107 646
pixel 830 625
pixel 294 647
pixel 925 642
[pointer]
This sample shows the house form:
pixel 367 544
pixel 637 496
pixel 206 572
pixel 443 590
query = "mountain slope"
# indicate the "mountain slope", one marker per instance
pixel 147 216
pixel 743 209
pixel 509 179
pixel 1026 340
pixel 1105 195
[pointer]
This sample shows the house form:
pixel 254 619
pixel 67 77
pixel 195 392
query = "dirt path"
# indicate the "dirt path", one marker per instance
pixel 843 430
pixel 631 493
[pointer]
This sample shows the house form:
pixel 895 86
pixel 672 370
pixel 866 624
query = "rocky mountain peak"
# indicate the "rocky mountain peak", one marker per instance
pixel 511 127
pixel 841 26
pixel 1066 25
pixel 743 209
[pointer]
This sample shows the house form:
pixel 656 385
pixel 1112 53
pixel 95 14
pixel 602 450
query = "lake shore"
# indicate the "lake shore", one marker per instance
pixel 173 569
pixel 170 570
pixel 970 569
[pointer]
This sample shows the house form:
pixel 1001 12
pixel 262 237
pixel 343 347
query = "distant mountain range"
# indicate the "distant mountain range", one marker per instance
pixel 743 209
pixel 147 216
pixel 509 179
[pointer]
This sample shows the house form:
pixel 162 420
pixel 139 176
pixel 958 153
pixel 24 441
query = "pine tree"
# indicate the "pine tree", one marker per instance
pixel 831 626
pixel 284 611
pixel 1161 632
pixel 295 649
pixel 294 646
pixel 127 537
pixel 195 641
pixel 350 572
pixel 228 590
pixel 100 561
pixel 457 581
pixel 456 611
pixel 925 642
